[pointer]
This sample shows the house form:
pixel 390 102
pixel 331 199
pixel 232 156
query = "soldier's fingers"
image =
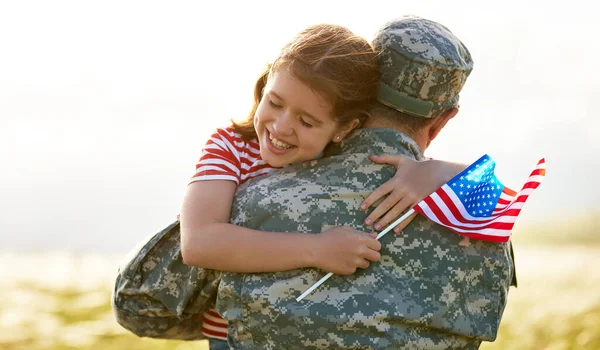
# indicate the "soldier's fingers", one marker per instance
pixel 401 226
pixel 379 192
pixel 394 213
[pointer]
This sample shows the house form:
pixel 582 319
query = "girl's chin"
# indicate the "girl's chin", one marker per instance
pixel 276 161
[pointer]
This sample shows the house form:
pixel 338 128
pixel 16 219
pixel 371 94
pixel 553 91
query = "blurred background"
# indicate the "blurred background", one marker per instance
pixel 105 107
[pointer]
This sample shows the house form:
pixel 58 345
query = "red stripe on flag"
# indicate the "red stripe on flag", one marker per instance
pixel 509 192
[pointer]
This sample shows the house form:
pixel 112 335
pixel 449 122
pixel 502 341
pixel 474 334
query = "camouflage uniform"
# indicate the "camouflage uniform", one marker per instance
pixel 156 295
pixel 428 290
pixel 432 289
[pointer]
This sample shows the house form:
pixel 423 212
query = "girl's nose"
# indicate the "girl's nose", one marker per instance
pixel 283 125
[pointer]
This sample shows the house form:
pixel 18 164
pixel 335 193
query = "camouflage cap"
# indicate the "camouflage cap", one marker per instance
pixel 423 66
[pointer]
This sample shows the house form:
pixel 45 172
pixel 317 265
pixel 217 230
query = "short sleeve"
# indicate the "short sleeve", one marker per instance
pixel 220 159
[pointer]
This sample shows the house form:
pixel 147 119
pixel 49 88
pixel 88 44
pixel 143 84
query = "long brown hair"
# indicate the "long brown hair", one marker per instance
pixel 337 64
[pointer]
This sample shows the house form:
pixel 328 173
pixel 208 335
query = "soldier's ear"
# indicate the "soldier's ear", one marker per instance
pixel 439 122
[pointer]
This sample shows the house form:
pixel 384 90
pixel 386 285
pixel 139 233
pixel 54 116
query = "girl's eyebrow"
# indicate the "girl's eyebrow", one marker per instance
pixel 271 92
pixel 315 119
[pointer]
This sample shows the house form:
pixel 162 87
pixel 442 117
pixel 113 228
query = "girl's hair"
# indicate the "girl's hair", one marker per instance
pixel 337 64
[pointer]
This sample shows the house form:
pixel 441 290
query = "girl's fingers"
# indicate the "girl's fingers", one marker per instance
pixel 391 159
pixel 401 226
pixel 395 212
pixel 377 194
pixel 373 256
pixel 373 245
pixel 381 210
pixel 397 200
pixel 363 263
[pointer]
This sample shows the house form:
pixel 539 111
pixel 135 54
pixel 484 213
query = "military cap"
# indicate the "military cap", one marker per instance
pixel 423 66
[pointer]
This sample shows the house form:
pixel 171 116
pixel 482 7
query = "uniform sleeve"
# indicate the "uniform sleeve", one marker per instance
pixel 220 158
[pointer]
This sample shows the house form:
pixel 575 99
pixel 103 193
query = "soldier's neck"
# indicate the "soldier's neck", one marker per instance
pixel 420 138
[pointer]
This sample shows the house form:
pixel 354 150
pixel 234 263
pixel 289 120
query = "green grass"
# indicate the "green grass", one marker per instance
pixel 67 319
pixel 557 303
pixel 556 306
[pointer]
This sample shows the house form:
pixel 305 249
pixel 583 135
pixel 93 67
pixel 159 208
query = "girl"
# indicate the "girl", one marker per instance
pixel 315 92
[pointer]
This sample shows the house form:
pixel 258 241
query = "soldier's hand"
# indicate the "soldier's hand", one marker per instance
pixel 342 250
pixel 403 191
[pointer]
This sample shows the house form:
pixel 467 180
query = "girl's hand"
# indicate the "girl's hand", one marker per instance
pixel 414 180
pixel 342 250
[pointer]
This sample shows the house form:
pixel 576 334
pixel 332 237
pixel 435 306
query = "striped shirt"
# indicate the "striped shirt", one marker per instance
pixel 227 157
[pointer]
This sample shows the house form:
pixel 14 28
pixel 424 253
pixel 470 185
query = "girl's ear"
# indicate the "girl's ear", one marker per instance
pixel 345 130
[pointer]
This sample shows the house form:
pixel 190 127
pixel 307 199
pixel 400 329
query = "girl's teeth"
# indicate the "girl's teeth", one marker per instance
pixel 278 143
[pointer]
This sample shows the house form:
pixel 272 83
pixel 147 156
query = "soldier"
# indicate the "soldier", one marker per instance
pixel 431 289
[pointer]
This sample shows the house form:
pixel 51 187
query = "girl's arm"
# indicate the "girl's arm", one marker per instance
pixel 209 241
pixel 414 180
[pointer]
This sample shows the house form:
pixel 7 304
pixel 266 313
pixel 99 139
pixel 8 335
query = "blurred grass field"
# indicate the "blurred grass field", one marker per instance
pixel 61 301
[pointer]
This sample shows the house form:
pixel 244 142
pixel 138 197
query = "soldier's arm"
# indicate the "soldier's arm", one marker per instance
pixel 413 181
pixel 209 241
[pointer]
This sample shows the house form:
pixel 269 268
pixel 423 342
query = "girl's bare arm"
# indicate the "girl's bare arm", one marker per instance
pixel 209 241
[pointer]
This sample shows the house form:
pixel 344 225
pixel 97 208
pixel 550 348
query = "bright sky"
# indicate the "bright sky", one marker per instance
pixel 105 105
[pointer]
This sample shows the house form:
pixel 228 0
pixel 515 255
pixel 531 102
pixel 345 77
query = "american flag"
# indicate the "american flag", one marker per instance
pixel 475 204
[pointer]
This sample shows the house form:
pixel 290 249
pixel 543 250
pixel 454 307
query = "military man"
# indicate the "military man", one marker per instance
pixel 430 290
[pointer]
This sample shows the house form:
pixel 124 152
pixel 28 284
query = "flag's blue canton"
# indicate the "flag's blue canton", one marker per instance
pixel 477 187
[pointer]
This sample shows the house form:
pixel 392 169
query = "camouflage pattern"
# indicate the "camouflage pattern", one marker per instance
pixel 432 289
pixel 156 295
pixel 423 66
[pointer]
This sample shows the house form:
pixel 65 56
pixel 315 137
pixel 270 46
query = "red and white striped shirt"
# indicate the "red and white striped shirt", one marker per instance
pixel 227 157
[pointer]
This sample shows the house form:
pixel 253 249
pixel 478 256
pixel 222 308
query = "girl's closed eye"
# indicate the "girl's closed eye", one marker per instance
pixel 273 104
pixel 305 123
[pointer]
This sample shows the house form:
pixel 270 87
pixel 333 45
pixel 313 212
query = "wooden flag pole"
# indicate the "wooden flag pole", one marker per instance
pixel 381 234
